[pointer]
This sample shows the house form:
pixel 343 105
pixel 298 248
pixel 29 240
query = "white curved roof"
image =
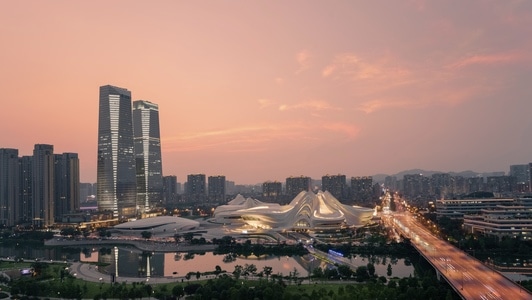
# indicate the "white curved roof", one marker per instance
pixel 306 210
pixel 166 222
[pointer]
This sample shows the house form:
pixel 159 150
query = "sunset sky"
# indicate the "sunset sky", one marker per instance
pixel 263 90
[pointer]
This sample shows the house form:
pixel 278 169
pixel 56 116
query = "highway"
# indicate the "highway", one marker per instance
pixel 469 277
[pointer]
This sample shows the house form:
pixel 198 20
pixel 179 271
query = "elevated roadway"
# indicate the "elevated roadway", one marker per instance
pixel 469 277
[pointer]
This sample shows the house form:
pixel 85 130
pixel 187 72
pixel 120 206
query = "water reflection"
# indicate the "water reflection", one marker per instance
pixel 131 262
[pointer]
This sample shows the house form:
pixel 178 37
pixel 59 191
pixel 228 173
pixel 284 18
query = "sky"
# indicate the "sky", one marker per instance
pixel 264 90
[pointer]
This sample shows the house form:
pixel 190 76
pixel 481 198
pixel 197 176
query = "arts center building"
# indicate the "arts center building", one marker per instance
pixel 307 211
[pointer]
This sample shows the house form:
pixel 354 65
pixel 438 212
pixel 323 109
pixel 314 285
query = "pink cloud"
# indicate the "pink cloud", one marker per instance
pixel 303 60
pixel 489 59
pixel 315 105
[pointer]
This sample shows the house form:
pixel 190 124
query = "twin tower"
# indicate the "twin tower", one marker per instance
pixel 129 171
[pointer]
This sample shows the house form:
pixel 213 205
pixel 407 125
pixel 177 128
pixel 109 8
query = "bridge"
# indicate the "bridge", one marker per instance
pixel 470 278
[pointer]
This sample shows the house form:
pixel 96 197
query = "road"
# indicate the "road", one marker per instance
pixel 470 278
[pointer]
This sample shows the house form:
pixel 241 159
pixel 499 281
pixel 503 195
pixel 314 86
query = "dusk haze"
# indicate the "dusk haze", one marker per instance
pixel 264 90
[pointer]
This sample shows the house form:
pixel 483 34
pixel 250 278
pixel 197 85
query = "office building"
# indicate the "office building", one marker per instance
pixel 512 219
pixel 116 172
pixel 457 208
pixel 196 188
pixel 43 186
pixel 216 189
pixel 296 185
pixel 147 139
pixel 9 187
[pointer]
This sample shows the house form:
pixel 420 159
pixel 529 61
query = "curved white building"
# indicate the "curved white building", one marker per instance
pixel 306 211
pixel 159 226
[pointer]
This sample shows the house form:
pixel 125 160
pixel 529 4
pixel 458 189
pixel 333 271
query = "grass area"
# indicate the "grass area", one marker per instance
pixel 9 265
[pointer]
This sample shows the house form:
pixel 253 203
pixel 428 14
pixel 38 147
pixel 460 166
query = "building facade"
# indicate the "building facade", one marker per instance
pixel 362 189
pixel 170 189
pixel 336 185
pixel 295 185
pixel 148 158
pixel 9 187
pixel 43 186
pixel 196 188
pixel 216 189
pixel 116 171
pixel 66 184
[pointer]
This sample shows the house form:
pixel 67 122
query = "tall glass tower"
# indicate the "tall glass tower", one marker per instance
pixel 116 187
pixel 147 139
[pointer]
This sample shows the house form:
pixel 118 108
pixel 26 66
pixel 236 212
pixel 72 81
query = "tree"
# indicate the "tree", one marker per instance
pixel 217 270
pixel 389 270
pixel 238 271
pixel 371 269
pixel 267 271
pixel 178 291
pixel 345 271
pixel 146 234
pixel 317 272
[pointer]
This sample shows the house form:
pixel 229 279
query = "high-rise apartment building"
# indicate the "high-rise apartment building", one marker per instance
pixel 43 185
pixel 336 185
pixel 66 184
pixel 362 189
pixel 116 172
pixel 147 140
pixel 9 186
pixel 272 190
pixel 26 189
pixel 216 189
pixel 295 185
pixel 196 188
pixel 170 189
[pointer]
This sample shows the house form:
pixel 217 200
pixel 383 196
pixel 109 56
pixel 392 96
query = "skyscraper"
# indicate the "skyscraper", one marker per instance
pixel 43 185
pixel 147 140
pixel 9 186
pixel 116 173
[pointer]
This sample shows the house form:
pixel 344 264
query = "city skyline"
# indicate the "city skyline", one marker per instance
pixel 263 91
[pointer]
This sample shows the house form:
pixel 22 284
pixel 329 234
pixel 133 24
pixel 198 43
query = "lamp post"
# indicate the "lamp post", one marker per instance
pixel 101 285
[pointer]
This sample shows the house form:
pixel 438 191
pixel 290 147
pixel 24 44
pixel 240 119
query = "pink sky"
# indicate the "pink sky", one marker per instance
pixel 263 90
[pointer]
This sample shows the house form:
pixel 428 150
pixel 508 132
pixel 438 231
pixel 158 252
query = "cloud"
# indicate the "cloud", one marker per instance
pixel 350 67
pixel 261 137
pixel 263 103
pixel 303 60
pixel 314 105
pixel 375 105
pixel 486 59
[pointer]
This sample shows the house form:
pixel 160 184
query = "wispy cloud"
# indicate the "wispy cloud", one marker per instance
pixel 303 60
pixel 314 105
pixel 259 137
pixel 263 103
pixel 486 59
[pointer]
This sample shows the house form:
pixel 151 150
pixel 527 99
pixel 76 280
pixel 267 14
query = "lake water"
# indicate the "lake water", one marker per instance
pixel 130 262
